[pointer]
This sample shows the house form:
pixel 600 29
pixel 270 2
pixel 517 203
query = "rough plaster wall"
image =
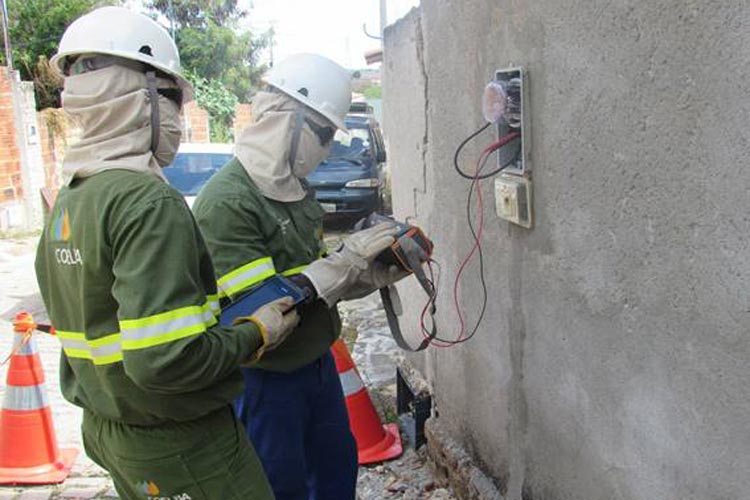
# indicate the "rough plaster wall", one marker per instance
pixel 613 361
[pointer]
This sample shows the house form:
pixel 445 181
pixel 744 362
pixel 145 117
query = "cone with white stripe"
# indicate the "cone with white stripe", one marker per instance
pixel 375 442
pixel 28 446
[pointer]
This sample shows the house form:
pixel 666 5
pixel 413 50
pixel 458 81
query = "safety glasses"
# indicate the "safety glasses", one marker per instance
pixel 325 134
pixel 173 94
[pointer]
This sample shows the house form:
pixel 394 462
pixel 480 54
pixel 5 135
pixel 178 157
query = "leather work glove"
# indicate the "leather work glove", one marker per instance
pixel 375 277
pixel 334 275
pixel 275 320
pixel 379 275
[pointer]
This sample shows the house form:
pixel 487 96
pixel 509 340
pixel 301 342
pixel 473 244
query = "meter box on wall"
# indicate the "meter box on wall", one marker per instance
pixel 505 103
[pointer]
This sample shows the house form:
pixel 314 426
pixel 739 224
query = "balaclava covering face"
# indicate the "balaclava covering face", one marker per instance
pixel 170 131
pixel 309 153
pixel 263 148
pixel 112 107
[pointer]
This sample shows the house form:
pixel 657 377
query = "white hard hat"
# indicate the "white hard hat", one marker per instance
pixel 316 82
pixel 120 32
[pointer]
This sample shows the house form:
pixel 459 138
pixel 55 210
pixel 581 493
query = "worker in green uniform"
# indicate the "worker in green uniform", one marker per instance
pixel 129 284
pixel 259 219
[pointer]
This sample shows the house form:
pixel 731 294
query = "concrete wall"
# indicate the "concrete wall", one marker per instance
pixel 613 360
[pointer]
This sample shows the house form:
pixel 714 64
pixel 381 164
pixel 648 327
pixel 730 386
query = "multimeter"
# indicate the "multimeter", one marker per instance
pixel 408 241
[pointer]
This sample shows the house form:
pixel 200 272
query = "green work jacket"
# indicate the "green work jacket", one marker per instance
pixel 251 238
pixel 129 286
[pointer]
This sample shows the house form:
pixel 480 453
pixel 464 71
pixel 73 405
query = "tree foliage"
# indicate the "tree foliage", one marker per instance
pixel 35 28
pixel 219 102
pixel 198 13
pixel 211 44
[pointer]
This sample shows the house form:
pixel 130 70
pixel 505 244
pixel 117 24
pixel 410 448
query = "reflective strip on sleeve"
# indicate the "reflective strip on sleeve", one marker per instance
pixel 166 327
pixel 213 304
pixel 101 351
pixel 25 398
pixel 295 270
pixel 141 333
pixel 350 382
pixel 246 276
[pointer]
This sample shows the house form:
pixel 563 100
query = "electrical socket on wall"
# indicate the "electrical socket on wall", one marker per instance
pixel 513 199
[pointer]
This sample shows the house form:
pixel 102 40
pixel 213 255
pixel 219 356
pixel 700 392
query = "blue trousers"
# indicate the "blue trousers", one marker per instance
pixel 299 426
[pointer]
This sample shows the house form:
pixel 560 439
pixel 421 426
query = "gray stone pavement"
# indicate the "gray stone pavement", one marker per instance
pixel 374 352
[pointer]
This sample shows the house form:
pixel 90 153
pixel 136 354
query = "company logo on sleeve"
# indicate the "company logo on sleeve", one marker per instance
pixel 59 232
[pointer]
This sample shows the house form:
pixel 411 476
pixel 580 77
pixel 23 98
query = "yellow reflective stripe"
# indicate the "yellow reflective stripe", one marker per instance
pixel 163 338
pixel 213 303
pixel 115 338
pixel 164 317
pixel 295 270
pixel 167 326
pixel 71 335
pixel 102 351
pixel 246 276
pixel 106 360
pixel 141 333
pixel 247 267
pixel 77 353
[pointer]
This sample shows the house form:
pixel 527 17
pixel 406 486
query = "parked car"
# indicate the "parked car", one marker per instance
pixel 350 182
pixel 194 165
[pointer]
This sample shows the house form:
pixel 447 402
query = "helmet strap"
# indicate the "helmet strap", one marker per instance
pixel 299 122
pixel 153 97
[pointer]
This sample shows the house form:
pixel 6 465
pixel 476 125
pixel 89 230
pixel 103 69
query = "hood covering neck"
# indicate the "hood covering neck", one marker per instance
pixel 113 109
pixel 263 148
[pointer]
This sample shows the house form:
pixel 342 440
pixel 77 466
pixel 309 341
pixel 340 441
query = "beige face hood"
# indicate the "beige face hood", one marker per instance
pixel 111 105
pixel 263 147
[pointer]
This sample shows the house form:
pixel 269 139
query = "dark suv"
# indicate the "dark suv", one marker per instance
pixel 349 183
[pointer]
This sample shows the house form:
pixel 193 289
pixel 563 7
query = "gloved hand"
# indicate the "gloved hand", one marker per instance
pixel 274 322
pixel 333 275
pixel 375 277
pixel 379 275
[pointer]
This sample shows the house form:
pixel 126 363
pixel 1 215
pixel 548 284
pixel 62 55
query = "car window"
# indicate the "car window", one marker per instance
pixel 190 171
pixel 351 145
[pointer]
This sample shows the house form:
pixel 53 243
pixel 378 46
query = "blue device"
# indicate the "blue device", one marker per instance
pixel 271 289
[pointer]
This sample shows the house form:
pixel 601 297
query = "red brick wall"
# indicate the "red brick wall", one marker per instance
pixel 242 117
pixel 196 124
pixel 11 183
pixel 54 140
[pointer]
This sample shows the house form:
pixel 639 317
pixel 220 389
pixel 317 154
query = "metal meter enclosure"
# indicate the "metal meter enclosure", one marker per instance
pixel 513 199
pixel 514 119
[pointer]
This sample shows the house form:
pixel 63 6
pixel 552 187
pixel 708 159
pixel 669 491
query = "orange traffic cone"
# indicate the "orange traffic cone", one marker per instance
pixel 375 442
pixel 28 447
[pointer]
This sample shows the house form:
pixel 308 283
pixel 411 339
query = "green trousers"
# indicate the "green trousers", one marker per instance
pixel 205 459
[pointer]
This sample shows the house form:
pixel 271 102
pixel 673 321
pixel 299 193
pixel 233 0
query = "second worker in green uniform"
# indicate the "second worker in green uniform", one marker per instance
pixel 259 219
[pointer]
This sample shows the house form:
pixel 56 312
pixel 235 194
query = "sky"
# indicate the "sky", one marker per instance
pixel 332 28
